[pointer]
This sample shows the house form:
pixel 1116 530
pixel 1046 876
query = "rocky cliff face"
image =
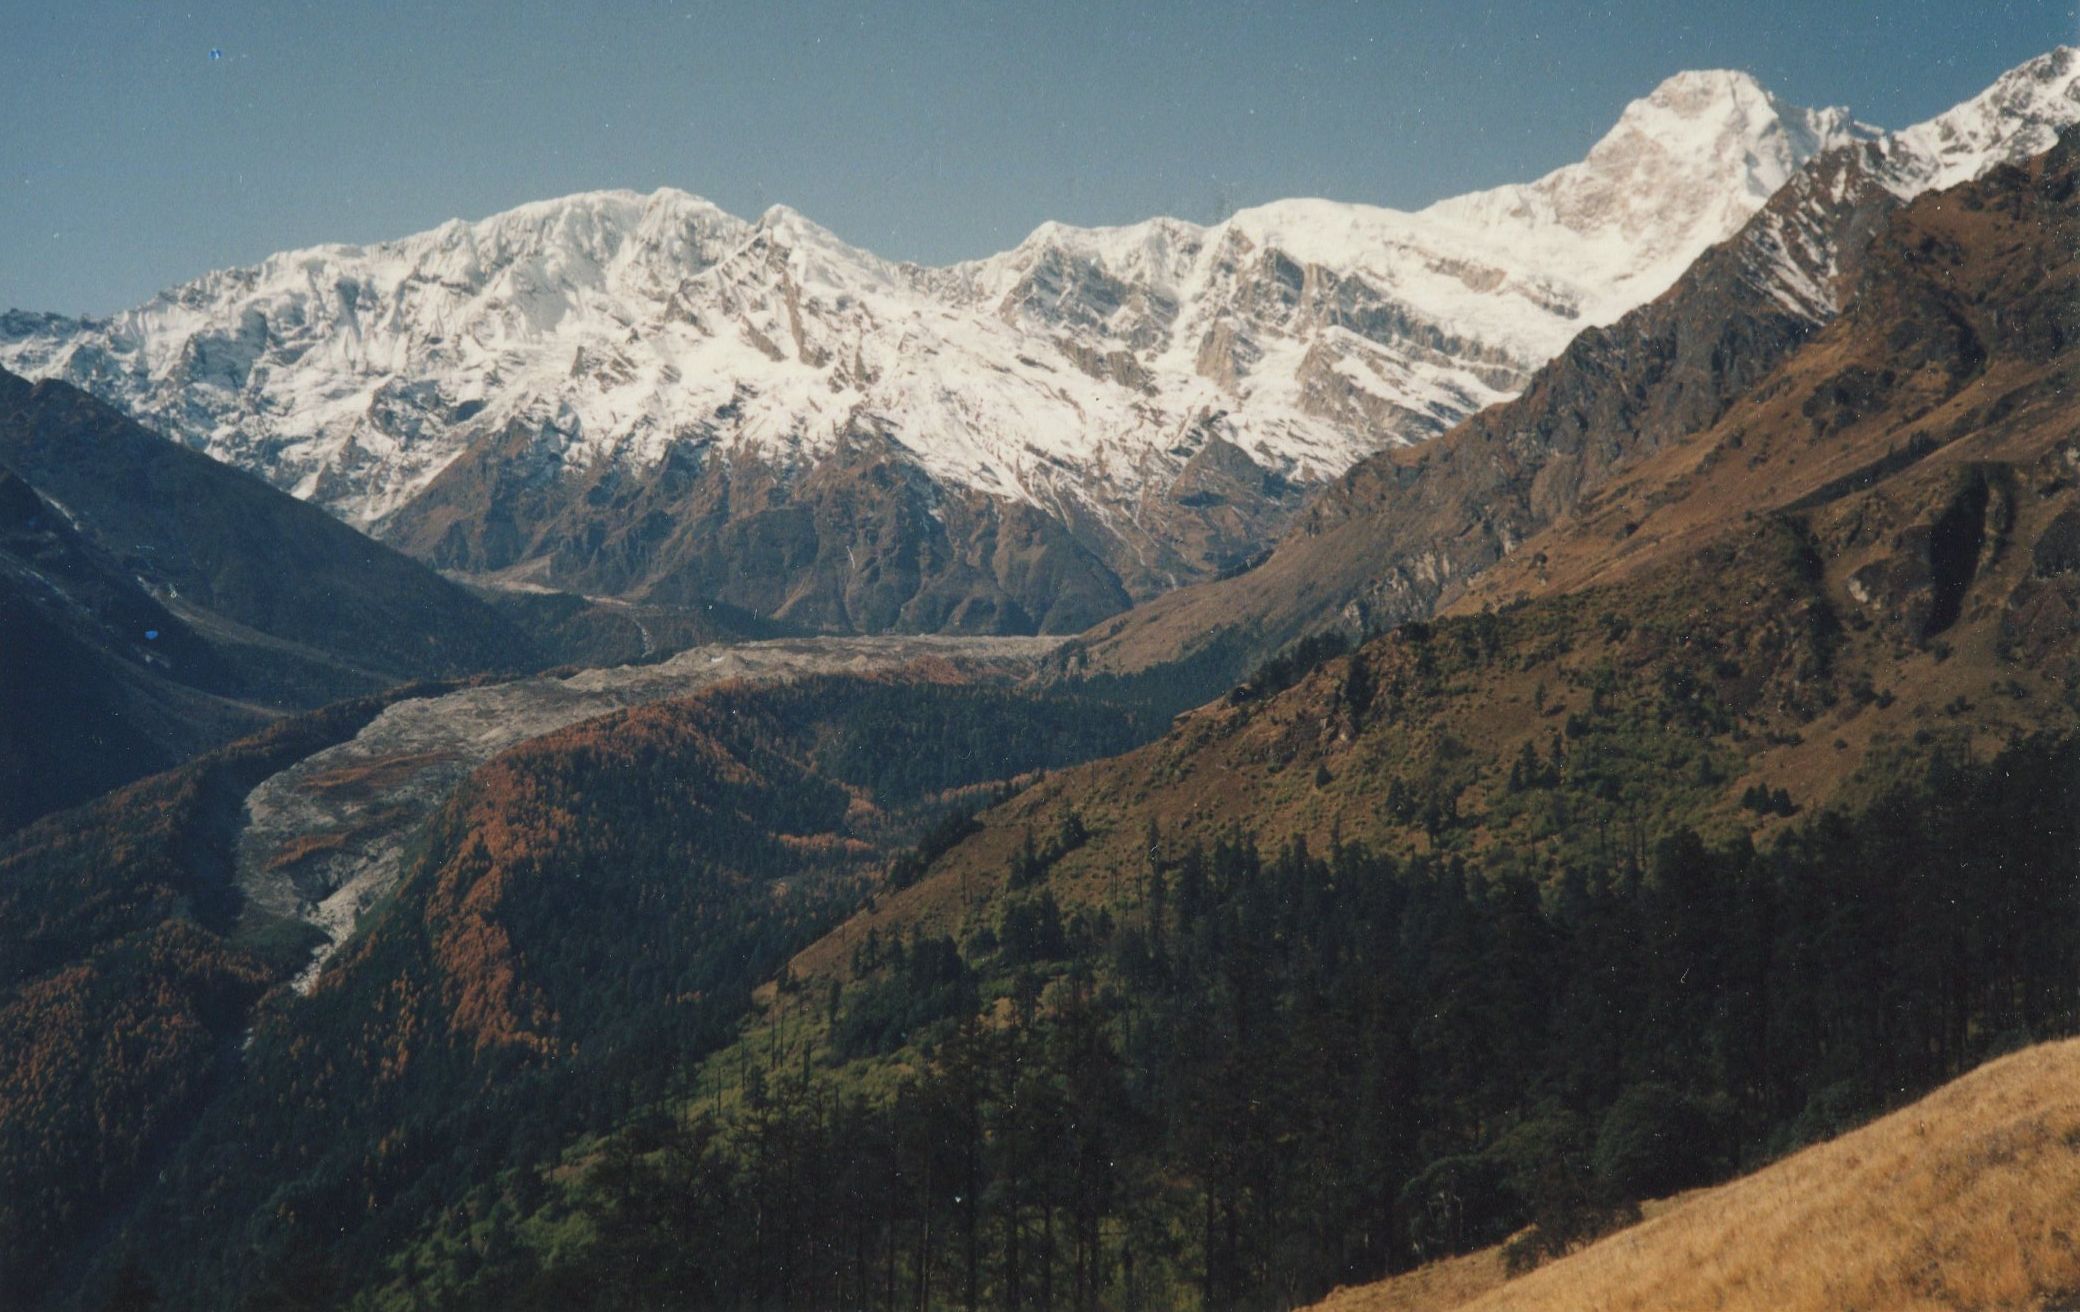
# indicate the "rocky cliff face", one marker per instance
pixel 860 541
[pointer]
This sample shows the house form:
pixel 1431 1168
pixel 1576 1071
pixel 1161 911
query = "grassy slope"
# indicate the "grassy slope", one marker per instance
pixel 1963 1199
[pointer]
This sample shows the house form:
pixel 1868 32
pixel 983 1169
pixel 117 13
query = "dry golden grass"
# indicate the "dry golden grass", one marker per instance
pixel 1454 1282
pixel 1968 1199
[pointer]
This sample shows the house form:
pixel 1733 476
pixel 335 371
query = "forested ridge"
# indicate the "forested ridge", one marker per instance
pixel 1477 928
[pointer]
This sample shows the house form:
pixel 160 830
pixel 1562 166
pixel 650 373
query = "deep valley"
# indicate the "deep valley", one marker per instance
pixel 1518 754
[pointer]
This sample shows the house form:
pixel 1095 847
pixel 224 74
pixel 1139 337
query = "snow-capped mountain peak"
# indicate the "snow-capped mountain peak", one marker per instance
pixel 1683 168
pixel 1790 250
pixel 1698 138
pixel 1518 269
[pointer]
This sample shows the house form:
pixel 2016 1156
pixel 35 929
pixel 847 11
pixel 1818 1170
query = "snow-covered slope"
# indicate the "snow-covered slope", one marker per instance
pixel 1092 374
pixel 2020 115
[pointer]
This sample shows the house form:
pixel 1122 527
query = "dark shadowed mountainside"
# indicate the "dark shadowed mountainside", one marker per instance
pixel 156 602
pixel 218 540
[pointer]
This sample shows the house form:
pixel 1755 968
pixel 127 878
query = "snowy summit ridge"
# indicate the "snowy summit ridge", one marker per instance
pixel 1083 372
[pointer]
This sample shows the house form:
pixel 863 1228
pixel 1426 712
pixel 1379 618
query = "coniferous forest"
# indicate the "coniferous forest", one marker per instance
pixel 1287 1070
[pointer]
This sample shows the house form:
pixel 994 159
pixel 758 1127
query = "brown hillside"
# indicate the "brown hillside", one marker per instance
pixel 1802 615
pixel 1404 530
pixel 1964 1199
pixel 1944 382
pixel 862 542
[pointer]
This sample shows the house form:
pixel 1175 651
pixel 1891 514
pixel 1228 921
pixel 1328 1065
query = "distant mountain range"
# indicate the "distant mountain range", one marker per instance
pixel 650 399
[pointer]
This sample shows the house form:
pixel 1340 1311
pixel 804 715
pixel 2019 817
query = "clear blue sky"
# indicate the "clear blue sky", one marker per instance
pixel 131 160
